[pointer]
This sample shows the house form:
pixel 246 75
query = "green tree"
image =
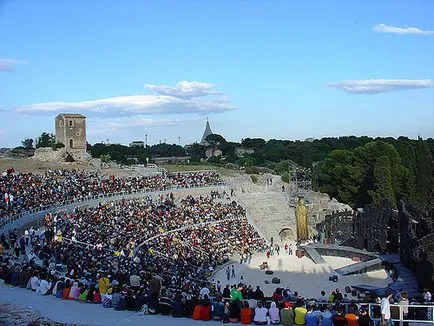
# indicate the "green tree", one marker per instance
pixel 46 140
pixel 255 143
pixel 424 174
pixel 58 145
pixel 215 139
pixel 340 175
pixel 27 143
pixel 249 161
pixel 105 158
pixel 383 180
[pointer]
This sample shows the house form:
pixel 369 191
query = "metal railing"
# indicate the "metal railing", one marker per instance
pixel 401 318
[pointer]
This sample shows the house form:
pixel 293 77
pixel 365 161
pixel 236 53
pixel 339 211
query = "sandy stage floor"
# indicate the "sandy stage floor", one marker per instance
pixel 300 274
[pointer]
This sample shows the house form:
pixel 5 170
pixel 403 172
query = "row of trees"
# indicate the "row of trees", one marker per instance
pixel 126 155
pixel 354 170
pixel 379 170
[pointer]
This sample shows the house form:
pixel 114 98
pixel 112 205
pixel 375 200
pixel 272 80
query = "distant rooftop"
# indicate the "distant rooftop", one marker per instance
pixel 71 115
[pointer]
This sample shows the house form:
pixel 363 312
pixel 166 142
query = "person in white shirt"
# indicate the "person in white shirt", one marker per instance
pixel 34 282
pixel 385 309
pixel 135 281
pixel 43 287
pixel 322 297
pixel 260 314
pixel 427 295
pixel 204 291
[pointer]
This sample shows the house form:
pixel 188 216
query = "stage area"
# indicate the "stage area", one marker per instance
pixel 299 274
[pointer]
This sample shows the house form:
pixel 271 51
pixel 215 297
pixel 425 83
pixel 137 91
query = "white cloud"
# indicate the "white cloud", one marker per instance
pixel 7 65
pixel 184 89
pixel 383 28
pixel 132 105
pixel 376 86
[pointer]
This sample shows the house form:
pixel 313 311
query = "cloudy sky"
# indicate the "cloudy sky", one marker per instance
pixel 270 69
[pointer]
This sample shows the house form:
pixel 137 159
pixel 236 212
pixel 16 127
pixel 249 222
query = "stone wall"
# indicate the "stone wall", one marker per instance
pixel 47 154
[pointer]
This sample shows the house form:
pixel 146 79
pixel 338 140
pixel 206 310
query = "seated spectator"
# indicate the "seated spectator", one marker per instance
pixel 82 297
pixel 310 318
pixel 252 303
pixel 218 308
pixel 97 295
pixel 326 317
pixel 205 312
pixel 300 313
pixel 287 314
pixel 77 291
pixel 59 287
pixel 260 317
pixel 226 312
pixel 72 290
pixel 273 313
pixel 121 304
pixel 236 293
pixel 364 318
pixel 339 318
pixel 165 304
pixel 130 300
pixel 66 290
pixel 34 281
pixel 332 297
pixel 44 286
pixel 277 295
pixel 90 293
pixel 246 314
pixel 234 310
pixel 189 305
pixel 197 312
pixel 322 297
pixel 351 319
pixel 226 292
pixel 178 306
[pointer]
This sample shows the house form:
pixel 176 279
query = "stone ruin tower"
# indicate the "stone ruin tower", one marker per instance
pixel 71 131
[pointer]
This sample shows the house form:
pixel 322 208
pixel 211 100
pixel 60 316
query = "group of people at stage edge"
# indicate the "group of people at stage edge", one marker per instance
pixel 21 192
pixel 147 294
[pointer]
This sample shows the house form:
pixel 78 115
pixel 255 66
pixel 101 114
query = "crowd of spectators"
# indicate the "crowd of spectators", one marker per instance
pixel 21 192
pixel 157 254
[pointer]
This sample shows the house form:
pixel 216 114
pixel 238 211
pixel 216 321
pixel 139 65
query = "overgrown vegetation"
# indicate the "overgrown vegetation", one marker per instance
pixel 133 155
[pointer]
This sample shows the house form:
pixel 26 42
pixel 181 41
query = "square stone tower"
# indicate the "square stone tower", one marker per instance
pixel 71 130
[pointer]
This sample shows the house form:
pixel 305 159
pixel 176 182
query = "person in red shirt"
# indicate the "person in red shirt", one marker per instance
pixel 246 314
pixel 352 319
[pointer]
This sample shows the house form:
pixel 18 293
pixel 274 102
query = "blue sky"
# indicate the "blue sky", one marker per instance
pixel 270 69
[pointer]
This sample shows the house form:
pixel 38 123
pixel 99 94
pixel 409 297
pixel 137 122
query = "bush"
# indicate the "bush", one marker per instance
pixel 231 166
pixel 285 177
pixel 57 145
pixel 252 170
pixel 214 159
pixel 254 178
